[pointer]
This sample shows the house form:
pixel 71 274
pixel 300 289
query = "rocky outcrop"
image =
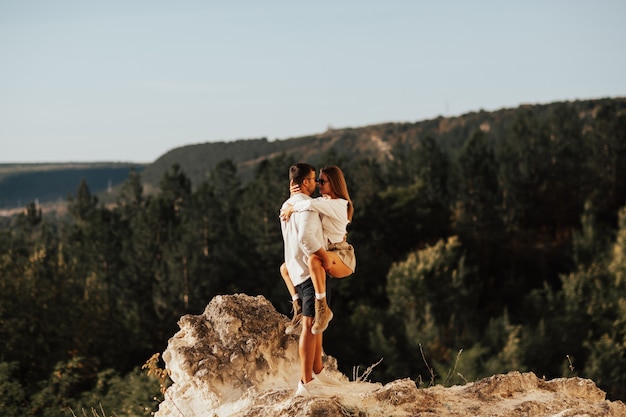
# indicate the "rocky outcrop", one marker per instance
pixel 236 360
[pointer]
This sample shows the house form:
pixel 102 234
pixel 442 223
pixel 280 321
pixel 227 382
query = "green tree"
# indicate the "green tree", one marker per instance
pixel 607 351
pixel 216 252
pixel 432 295
pixel 82 206
pixel 12 394
pixel 607 138
pixel 131 196
pixel 260 203
pixel 544 171
pixel 169 247
pixel 34 326
pixel 93 250
pixel 504 349
pixel 524 165
pixel 477 218
pixel 134 395
pixel 477 192
pixel 365 179
pixel 434 167
pixel 134 280
pixel 67 381
pixel 585 318
pixel 567 181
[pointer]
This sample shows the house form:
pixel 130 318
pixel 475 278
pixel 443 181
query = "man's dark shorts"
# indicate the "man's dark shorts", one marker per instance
pixel 306 291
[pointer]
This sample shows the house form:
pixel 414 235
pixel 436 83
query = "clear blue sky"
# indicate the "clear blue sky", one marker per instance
pixel 129 80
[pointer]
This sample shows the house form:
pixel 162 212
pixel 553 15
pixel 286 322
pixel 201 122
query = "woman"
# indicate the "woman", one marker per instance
pixel 338 260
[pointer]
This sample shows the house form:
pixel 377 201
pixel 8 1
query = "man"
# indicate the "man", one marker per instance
pixel 302 236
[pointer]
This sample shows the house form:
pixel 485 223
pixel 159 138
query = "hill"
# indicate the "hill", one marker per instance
pixel 378 142
pixel 21 184
pixel 24 183
pixel 514 257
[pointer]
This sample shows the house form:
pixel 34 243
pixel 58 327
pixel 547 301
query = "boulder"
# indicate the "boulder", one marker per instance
pixel 235 359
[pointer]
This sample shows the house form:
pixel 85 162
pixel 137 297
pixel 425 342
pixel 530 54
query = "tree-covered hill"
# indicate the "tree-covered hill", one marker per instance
pixel 21 184
pixel 501 236
pixel 377 142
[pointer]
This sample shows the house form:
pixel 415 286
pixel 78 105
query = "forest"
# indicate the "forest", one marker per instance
pixel 509 254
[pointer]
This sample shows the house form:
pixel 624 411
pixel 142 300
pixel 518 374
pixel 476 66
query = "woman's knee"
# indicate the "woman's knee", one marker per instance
pixel 314 261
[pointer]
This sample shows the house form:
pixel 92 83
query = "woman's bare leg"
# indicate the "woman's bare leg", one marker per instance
pixel 296 303
pixel 323 313
pixel 285 274
pixel 337 268
pixel 318 274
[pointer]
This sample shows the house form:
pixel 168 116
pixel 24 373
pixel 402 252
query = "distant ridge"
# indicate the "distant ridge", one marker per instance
pixel 377 141
pixel 22 183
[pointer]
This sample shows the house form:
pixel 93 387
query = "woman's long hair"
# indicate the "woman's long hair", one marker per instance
pixel 339 186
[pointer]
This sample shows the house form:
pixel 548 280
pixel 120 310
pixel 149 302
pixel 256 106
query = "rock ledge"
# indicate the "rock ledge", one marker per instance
pixel 236 360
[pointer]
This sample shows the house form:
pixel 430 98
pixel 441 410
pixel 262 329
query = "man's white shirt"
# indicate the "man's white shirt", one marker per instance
pixel 302 236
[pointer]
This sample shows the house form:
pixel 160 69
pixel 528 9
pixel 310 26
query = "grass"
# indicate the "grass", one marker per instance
pixel 364 377
pixel 94 413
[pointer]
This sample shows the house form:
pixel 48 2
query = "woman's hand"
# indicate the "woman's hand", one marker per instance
pixel 286 213
pixel 294 188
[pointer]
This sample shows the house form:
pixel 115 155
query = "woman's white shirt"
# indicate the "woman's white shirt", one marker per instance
pixel 333 213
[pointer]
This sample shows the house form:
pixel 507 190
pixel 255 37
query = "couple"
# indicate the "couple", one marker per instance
pixel 314 234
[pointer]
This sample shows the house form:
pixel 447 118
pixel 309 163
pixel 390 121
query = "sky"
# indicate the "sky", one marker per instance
pixel 129 80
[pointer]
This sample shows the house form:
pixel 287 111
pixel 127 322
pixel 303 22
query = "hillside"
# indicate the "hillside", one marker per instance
pixel 510 250
pixel 23 183
pixel 378 142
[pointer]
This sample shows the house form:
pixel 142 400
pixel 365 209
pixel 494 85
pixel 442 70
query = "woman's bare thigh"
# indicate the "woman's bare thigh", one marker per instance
pixel 338 269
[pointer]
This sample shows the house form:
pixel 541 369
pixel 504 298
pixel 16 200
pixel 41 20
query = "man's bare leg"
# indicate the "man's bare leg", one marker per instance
pixel 318 365
pixel 307 348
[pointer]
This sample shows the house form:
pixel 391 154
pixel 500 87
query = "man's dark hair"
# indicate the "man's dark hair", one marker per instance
pixel 298 172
